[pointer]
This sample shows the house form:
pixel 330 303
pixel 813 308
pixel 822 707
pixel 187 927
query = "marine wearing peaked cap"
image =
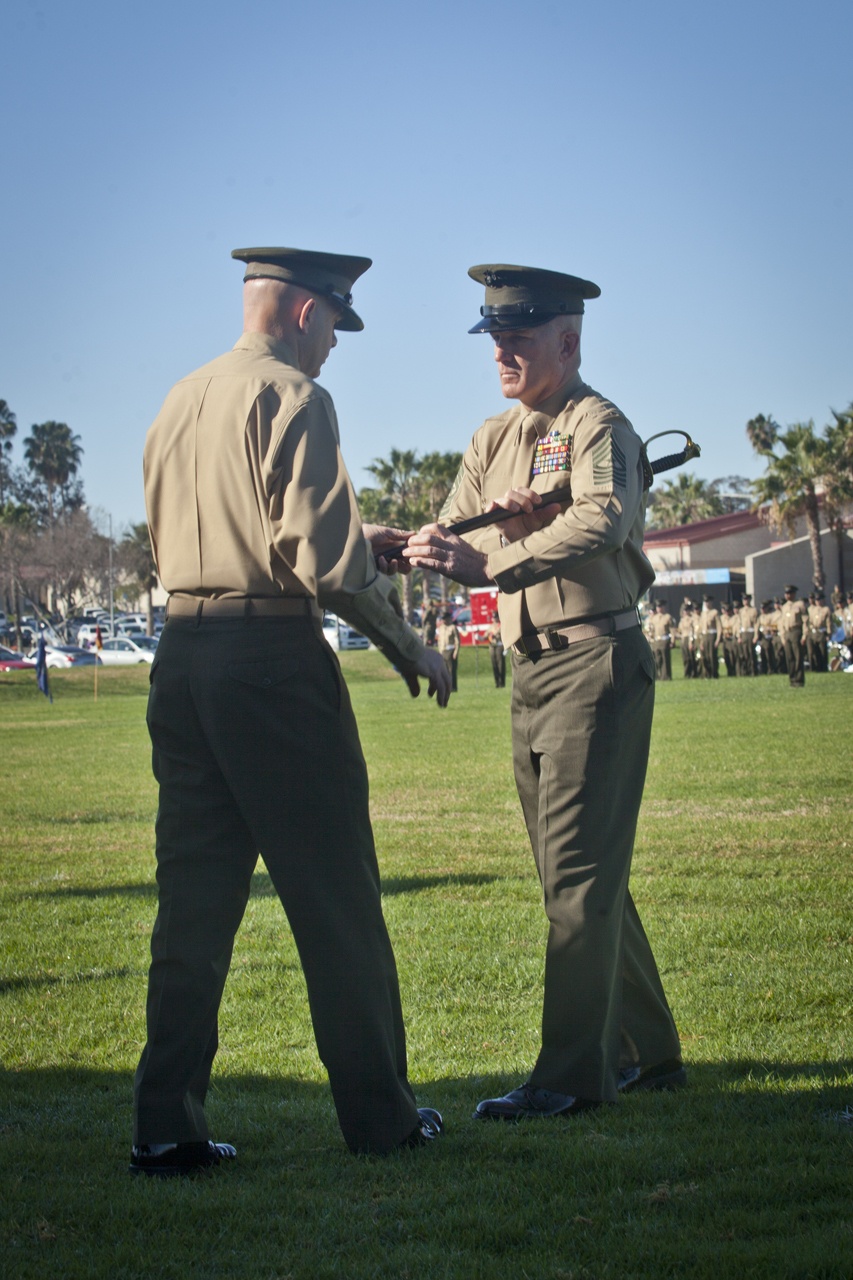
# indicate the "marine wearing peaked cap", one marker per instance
pixel 524 297
pixel 329 275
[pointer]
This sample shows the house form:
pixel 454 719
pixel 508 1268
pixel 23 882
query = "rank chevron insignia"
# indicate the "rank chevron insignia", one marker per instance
pixel 609 466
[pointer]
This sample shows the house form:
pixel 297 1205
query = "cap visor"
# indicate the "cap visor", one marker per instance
pixel 506 324
pixel 348 321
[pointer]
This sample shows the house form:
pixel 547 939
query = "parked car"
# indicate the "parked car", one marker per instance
pixel 341 635
pixel 144 642
pixel 86 634
pixel 63 656
pixel 121 652
pixel 11 660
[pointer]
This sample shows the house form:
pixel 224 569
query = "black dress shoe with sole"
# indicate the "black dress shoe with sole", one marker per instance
pixel 528 1102
pixel 671 1074
pixel 429 1127
pixel 171 1160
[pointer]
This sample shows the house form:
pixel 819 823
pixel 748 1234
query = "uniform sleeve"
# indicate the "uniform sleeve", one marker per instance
pixel 607 493
pixel 318 532
pixel 466 500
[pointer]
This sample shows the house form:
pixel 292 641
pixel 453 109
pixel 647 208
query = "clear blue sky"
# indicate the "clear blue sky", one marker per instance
pixel 693 160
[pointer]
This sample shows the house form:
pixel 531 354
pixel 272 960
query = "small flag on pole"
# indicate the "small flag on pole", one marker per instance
pixel 99 644
pixel 41 669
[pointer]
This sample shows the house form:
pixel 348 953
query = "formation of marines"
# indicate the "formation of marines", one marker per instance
pixel 779 639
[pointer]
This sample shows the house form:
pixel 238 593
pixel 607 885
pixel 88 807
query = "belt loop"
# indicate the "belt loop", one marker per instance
pixel 198 611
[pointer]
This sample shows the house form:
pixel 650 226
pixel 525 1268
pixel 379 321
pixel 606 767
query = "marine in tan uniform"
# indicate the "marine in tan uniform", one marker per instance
pixel 710 638
pixel 429 624
pixel 497 653
pixel 570 580
pixel 778 642
pixel 447 643
pixel 661 625
pixel 819 628
pixel 793 620
pixel 255 529
pixel 748 619
pixel 687 640
pixel 764 630
pixel 730 631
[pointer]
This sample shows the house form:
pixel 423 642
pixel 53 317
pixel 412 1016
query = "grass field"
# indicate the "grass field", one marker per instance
pixel 742 876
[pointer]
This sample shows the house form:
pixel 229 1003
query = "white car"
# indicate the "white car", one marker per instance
pixel 63 656
pixel 122 652
pixel 341 635
pixel 86 633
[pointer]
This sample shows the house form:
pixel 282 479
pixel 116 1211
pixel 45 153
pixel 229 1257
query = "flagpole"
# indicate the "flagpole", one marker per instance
pixel 99 644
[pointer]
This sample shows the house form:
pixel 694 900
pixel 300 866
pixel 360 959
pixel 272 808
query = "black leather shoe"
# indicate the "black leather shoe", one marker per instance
pixel 528 1101
pixel 170 1160
pixel 671 1074
pixel 430 1127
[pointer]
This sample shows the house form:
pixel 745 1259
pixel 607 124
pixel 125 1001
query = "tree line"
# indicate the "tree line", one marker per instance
pixel 53 558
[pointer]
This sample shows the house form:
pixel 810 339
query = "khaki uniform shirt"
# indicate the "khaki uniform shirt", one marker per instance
pixel 447 638
pixel 660 626
pixel 710 621
pixel 247 494
pixel 730 626
pixel 767 624
pixel 748 618
pixel 589 561
pixel 820 619
pixel 792 617
pixel 686 630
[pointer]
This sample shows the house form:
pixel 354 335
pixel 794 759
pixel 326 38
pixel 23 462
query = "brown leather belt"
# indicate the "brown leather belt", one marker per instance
pixel 562 637
pixel 186 606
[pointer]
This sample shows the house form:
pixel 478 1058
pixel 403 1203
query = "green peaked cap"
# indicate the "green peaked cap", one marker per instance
pixel 523 297
pixel 329 275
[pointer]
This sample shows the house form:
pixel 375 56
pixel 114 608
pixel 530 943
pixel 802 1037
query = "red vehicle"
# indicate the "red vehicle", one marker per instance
pixel 10 660
pixel 483 603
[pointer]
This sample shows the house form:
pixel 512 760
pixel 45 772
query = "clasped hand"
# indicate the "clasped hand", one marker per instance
pixel 437 548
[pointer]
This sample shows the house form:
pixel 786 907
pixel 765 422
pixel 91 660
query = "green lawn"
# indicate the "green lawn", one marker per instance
pixel 742 876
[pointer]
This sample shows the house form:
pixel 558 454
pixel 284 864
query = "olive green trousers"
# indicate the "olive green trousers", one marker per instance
pixel 581 723
pixel 256 749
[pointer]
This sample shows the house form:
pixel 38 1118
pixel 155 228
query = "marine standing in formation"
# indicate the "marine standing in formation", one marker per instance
pixel 570 580
pixel 792 623
pixel 255 527
pixel 497 652
pixel 687 625
pixel 660 626
pixel 730 632
pixel 710 638
pixel 748 638
pixel 447 643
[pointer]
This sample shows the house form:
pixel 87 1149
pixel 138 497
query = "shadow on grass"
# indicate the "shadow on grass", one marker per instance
pixel 29 1094
pixel 262 887
pixel 25 983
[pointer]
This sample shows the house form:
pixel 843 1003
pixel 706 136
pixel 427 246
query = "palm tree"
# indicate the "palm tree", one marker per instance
pixel 398 497
pixel 53 455
pixel 790 483
pixel 436 475
pixel 838 480
pixel 683 501
pixel 8 428
pixel 137 560
pixel 763 432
